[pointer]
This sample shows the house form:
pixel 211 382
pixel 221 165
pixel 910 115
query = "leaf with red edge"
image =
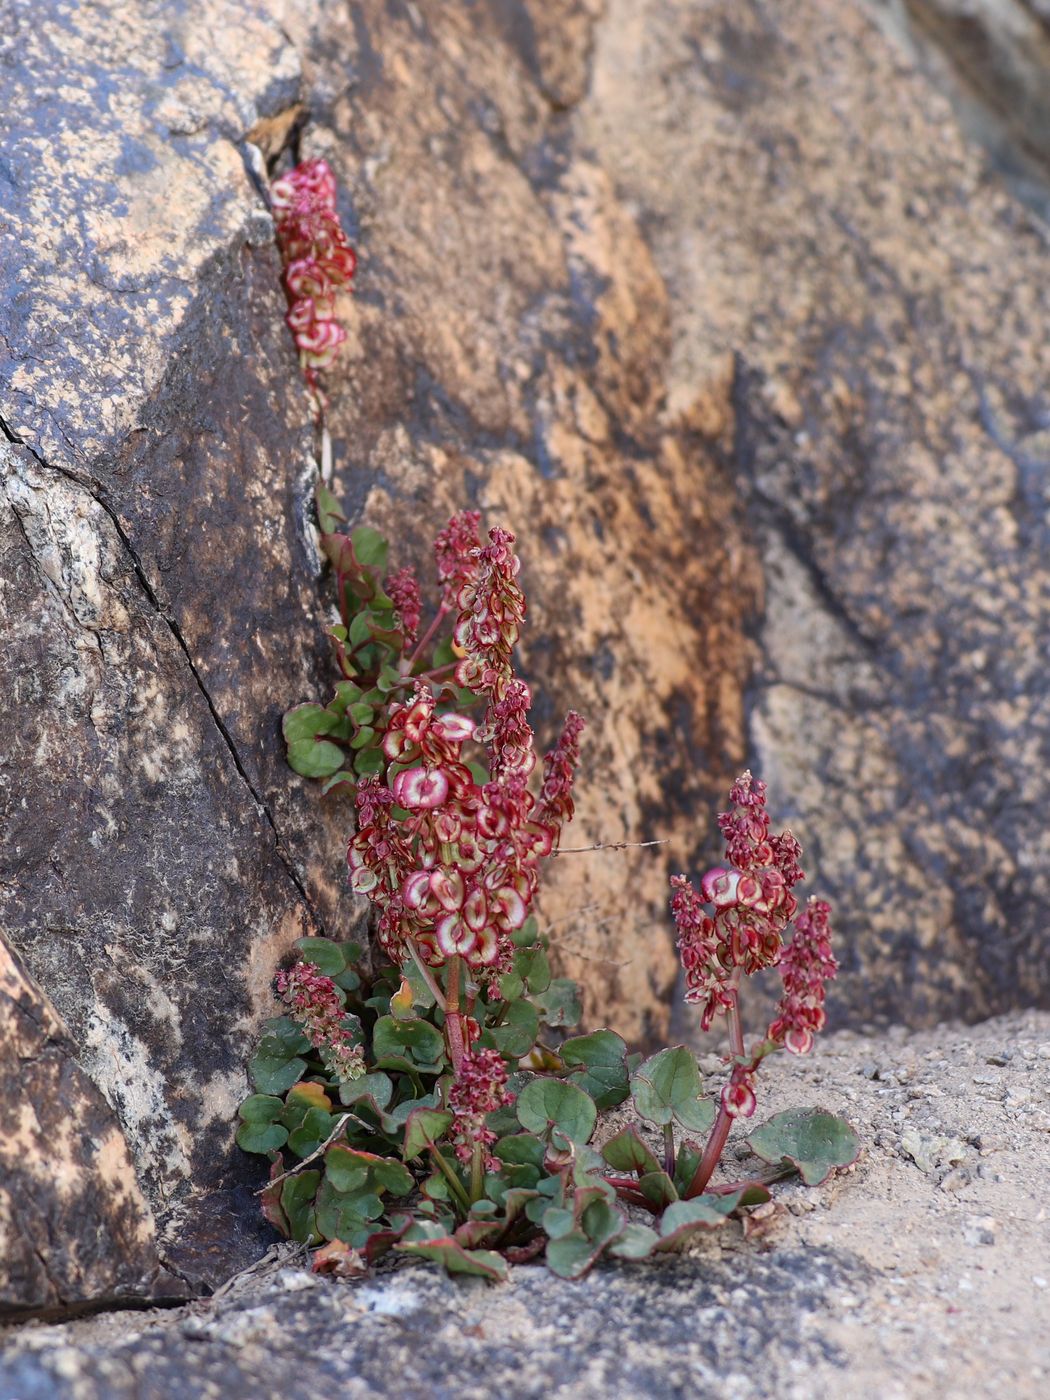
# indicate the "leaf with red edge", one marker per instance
pixel 271 1198
pixel 457 1260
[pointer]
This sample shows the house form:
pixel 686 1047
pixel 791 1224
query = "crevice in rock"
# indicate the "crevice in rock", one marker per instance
pixel 176 633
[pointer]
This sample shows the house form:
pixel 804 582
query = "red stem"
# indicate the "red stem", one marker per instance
pixel 453 1016
pixel 724 1122
pixel 442 612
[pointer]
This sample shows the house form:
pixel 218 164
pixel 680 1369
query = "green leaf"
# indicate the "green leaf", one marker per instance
pixel 363 738
pixel 626 1152
pixel 550 1101
pixel 297 1202
pixel 370 548
pixel 558 1221
pixel 457 1260
pixel 275 1074
pixel 370 763
pixel 707 1212
pixel 260 1108
pixel 311 1132
pixel 377 1087
pixel 814 1141
pixel 667 1086
pixel 571 1255
pixel 636 1242
pixel 361 628
pixel 424 1126
pixel 347 1170
pixel 313 758
pixel 521 1149
pixel 329 512
pixel 344 778
pixel 533 967
pixel 689 1157
pixel 658 1189
pixel 516 1036
pixel 261 1137
pixel 560 1005
pixel 347 1216
pixel 307 721
pixel 323 954
pixel 419 1039
pixel 604 1057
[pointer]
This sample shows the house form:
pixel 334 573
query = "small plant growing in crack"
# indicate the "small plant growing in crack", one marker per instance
pixel 430 1099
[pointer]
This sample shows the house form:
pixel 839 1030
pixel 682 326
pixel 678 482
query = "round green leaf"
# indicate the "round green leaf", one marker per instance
pixel 315 758
pixel 260 1108
pixel 323 954
pixel 516 1035
pixel 547 1102
pixel 261 1137
pixel 667 1087
pixel 603 1055
pixel 816 1142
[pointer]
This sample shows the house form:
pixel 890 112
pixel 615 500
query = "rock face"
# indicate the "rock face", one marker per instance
pixel 842 392
pixel 74 1228
pixel 875 310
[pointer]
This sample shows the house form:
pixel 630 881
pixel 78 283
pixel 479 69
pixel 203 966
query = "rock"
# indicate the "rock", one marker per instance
pixel 163 601
pixel 930 1150
pixel 819 220
pixel 74 1227
pixel 992 57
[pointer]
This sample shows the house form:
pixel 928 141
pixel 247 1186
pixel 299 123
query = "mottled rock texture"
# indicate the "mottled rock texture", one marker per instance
pixel 74 1227
pixel 162 593
pixel 843 388
pixel 874 310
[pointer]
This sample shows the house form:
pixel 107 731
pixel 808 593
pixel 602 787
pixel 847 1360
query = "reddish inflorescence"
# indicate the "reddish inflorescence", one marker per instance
pixel 315 1004
pixel 478 1089
pixel 318 260
pixel 458 877
pixel 403 588
pixel 751 903
pixel 806 965
pixel 735 926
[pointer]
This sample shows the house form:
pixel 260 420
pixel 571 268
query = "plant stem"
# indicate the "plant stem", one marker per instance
pixel 450 1176
pixel 442 612
pixel 766 1178
pixel 426 974
pixel 669 1149
pixel 453 1018
pixel 477 1172
pixel 724 1121
pixel 628 1188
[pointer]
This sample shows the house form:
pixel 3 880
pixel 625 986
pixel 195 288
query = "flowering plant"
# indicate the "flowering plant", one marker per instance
pixel 428 1099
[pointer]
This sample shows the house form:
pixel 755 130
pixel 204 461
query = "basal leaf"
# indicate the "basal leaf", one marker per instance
pixel 603 1055
pixel 547 1102
pixel 667 1087
pixel 815 1141
pixel 457 1260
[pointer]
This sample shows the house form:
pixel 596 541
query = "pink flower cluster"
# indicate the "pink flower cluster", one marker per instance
pixel 751 902
pixel 315 1004
pixel 751 907
pixel 403 589
pixel 458 876
pixel 478 1089
pixel 806 965
pixel 317 257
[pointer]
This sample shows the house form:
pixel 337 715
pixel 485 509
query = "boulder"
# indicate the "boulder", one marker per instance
pixel 75 1230
pixel 872 307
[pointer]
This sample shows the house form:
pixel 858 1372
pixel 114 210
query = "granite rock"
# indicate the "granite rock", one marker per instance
pixel 75 1229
